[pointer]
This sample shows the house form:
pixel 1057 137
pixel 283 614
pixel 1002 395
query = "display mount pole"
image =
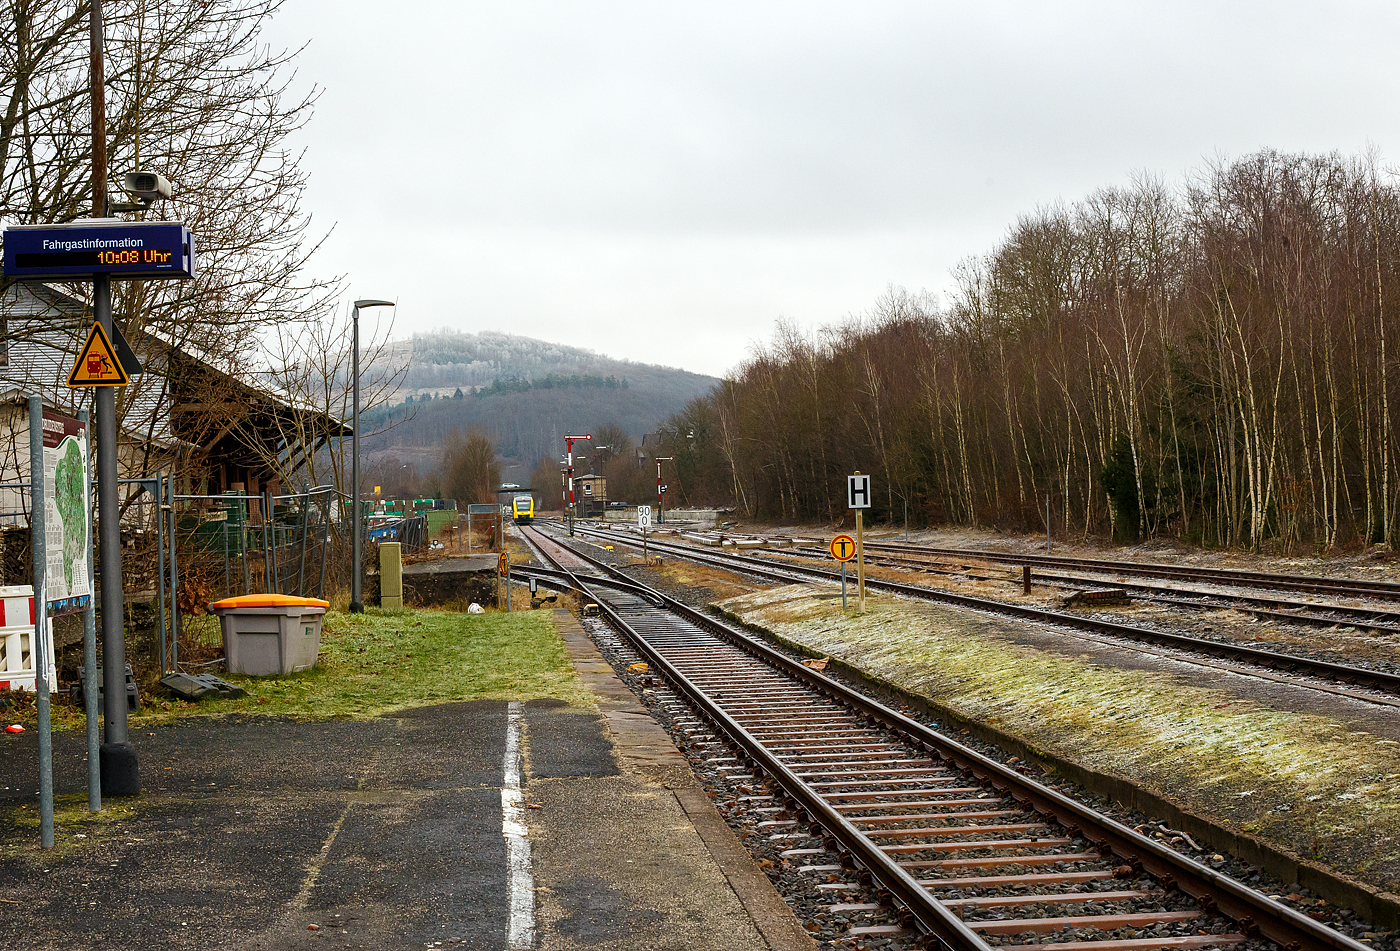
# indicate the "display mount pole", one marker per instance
pixel 120 773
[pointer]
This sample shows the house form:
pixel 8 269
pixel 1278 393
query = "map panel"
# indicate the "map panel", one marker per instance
pixel 68 532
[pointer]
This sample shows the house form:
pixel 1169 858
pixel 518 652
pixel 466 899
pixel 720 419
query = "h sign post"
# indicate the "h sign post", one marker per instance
pixel 858 498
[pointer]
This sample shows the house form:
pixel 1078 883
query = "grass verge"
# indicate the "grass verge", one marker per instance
pixel 380 661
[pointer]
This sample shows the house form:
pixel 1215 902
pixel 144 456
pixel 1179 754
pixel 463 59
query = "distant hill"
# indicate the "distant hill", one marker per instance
pixel 525 393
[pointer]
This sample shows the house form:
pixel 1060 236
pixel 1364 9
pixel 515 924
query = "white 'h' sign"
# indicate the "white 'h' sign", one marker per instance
pixel 858 492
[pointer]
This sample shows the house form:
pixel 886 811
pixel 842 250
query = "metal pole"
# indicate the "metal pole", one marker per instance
pixel 38 645
pixel 356 595
pixel 860 557
pixel 159 496
pixel 507 558
pixel 243 512
pixel 843 586
pixel 906 521
pixel 94 739
pixel 324 531
pixel 266 544
pixel 1047 523
pixel 305 516
pixel 273 544
pixel 174 581
pixel 228 581
pixel 120 773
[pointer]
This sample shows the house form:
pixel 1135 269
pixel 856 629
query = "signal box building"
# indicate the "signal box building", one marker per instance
pixel 591 494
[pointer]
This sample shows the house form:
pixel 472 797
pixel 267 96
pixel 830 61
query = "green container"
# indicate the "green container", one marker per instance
pixel 437 521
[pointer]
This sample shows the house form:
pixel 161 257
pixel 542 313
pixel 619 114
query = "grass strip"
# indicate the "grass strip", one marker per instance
pixel 380 661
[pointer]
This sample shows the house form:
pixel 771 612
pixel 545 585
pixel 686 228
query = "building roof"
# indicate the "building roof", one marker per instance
pixel 183 400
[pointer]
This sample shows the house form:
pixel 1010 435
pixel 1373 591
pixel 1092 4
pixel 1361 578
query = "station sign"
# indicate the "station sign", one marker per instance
pixel 78 251
pixel 858 491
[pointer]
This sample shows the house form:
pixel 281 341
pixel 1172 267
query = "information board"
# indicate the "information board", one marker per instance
pixel 77 251
pixel 67 532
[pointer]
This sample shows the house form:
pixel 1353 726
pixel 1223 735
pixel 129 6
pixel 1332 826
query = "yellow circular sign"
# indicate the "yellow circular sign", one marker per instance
pixel 503 564
pixel 843 548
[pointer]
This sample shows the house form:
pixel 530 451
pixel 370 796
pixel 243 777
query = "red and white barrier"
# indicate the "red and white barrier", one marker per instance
pixel 16 637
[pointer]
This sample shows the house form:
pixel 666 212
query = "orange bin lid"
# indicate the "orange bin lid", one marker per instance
pixel 268 601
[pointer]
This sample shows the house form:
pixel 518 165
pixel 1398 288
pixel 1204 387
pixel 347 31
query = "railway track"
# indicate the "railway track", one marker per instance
pixel 1272 608
pixel 1207 592
pixel 1380 686
pixel 1310 584
pixel 958 850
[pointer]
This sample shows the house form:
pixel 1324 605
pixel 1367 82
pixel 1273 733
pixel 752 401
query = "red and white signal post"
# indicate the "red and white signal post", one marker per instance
pixel 570 440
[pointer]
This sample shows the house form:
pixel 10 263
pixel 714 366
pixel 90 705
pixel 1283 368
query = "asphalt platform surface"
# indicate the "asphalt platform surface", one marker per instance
pixel 385 834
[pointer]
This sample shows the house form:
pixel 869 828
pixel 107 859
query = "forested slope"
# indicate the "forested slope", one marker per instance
pixel 522 392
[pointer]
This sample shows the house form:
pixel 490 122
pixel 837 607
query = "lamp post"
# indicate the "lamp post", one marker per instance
pixel 356 599
pixel 660 512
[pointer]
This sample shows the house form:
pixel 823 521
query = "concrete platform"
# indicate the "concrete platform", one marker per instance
pixel 386 834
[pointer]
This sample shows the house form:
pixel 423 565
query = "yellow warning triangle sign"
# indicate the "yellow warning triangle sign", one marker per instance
pixel 97 363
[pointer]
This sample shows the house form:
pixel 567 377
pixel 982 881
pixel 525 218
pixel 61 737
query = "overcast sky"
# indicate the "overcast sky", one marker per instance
pixel 661 182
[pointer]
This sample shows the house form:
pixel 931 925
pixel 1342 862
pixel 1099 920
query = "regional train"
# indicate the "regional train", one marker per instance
pixel 522 509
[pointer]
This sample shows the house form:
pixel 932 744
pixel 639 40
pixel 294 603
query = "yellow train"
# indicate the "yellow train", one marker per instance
pixel 522 509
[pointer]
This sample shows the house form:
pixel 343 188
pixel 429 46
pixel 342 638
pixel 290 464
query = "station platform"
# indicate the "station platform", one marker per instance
pixel 271 833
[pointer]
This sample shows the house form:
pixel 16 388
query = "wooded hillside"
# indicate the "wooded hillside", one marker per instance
pixel 1210 362
pixel 523 393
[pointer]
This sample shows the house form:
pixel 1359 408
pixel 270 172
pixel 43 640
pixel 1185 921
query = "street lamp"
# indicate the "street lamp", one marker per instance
pixel 660 512
pixel 356 595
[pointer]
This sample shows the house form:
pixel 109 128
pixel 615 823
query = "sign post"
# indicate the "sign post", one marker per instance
pixel 858 498
pixel 38 643
pixel 503 565
pixel 644 523
pixel 843 549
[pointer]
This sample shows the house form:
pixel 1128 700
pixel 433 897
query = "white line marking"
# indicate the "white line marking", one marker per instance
pixel 520 932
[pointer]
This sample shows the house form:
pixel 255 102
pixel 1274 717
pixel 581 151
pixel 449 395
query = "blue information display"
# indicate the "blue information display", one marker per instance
pixel 80 250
